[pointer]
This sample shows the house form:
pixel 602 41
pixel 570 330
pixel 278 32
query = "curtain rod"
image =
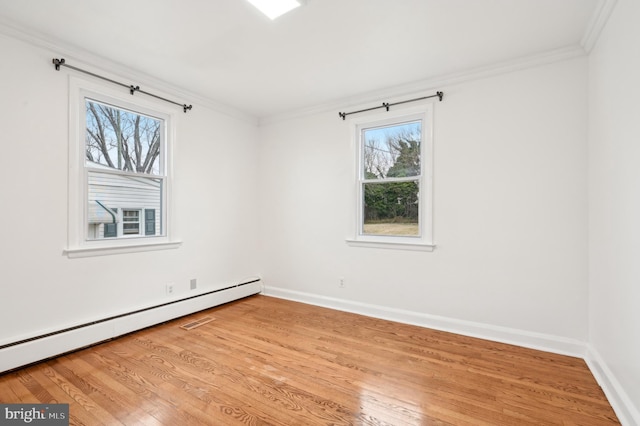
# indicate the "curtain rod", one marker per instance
pixel 386 105
pixel 132 89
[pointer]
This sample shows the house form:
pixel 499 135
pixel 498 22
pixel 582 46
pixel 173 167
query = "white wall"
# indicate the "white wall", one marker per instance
pixel 41 289
pixel 517 239
pixel 525 214
pixel 614 200
pixel 510 208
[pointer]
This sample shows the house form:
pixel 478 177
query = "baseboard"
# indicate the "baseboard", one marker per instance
pixel 532 340
pixel 627 412
pixel 32 350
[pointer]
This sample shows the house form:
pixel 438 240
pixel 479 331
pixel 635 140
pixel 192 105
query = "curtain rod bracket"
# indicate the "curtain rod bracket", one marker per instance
pixel 440 95
pixel 386 105
pixel 57 62
pixel 132 89
pixel 186 108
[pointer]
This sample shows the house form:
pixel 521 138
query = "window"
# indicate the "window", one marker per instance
pixel 124 165
pixel 131 222
pixel 393 207
pixel 118 181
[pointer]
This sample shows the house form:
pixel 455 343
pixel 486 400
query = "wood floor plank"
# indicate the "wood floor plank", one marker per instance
pixel 388 381
pixel 313 379
pixel 268 361
pixel 48 392
pixel 13 390
pixel 101 394
pixel 186 389
pixel 238 394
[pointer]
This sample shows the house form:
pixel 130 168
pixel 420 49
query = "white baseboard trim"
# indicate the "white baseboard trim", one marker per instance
pixel 627 412
pixel 528 339
pixel 29 351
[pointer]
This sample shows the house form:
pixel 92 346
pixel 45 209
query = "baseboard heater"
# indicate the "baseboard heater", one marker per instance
pixel 28 351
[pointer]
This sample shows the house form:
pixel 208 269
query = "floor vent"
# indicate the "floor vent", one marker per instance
pixel 197 323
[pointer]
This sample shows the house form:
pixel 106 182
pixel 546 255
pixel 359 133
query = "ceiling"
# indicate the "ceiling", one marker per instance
pixel 328 50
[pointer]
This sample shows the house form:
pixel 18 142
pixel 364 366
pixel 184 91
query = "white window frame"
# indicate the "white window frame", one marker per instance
pixel 79 244
pixel 424 241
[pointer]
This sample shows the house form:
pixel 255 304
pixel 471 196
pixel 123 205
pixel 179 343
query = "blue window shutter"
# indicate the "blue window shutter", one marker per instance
pixel 110 230
pixel 150 222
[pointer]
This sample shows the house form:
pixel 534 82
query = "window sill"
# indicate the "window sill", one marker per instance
pixel 131 248
pixel 391 245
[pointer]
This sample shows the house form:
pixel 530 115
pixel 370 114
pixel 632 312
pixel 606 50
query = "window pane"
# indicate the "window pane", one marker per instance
pixel 110 193
pixel 391 208
pixel 131 215
pixel 392 151
pixel 131 228
pixel 121 139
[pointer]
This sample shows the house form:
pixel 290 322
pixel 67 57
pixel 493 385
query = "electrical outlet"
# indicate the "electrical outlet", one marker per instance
pixel 170 288
pixel 341 282
pixel 194 283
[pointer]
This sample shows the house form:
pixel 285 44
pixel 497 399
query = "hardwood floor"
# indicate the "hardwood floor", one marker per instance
pixel 266 361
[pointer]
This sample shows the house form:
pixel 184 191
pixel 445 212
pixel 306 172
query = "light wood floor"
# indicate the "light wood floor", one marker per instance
pixel 269 361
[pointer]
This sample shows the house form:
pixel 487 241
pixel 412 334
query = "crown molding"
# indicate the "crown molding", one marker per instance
pixel 430 85
pixel 597 23
pixel 102 65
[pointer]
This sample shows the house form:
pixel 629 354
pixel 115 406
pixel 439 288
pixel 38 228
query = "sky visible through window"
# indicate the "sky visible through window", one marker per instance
pixel 385 148
pixel 121 139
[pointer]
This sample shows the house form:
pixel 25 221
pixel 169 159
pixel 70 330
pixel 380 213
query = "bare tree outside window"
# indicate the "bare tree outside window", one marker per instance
pixel 122 140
